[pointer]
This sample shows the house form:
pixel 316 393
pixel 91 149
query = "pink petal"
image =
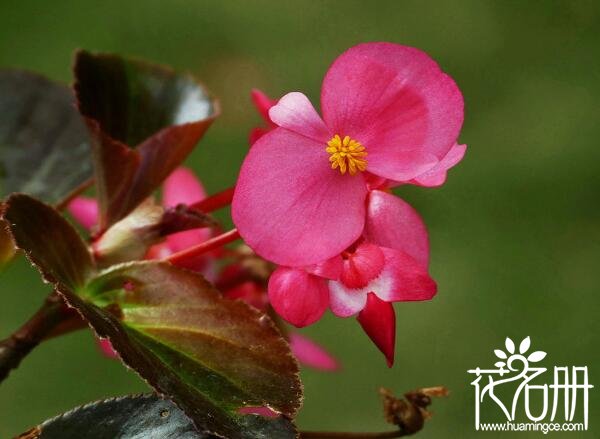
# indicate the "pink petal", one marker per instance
pixel 289 205
pixel 392 222
pixel 436 176
pixel 329 269
pixel 297 296
pixel 106 348
pixel 263 104
pixel 188 238
pixel 158 251
pixel 260 411
pixel 182 187
pixel 85 211
pixel 362 265
pixel 378 320
pixel 403 279
pixel 374 182
pixel 395 101
pixel 311 354
pixel 295 113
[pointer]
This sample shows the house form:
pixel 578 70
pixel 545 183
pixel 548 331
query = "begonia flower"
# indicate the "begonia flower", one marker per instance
pixel 389 263
pixel 388 112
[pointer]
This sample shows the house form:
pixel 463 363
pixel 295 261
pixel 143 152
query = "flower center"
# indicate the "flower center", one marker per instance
pixel 346 154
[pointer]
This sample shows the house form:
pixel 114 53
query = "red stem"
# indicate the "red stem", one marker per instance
pixel 215 201
pixel 180 258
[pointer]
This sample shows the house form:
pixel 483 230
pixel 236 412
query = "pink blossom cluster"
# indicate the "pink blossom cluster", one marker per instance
pixel 314 195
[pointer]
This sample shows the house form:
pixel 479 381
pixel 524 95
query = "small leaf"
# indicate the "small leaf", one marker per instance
pixel 211 355
pixel 131 104
pixel 510 345
pixel 500 354
pixel 524 346
pixel 536 356
pixel 128 417
pixel 44 144
pixel 48 240
pixel 500 364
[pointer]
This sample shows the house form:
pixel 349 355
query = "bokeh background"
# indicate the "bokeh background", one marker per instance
pixel 515 232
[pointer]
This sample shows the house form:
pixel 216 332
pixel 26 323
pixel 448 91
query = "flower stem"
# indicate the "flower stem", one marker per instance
pixel 180 258
pixel 16 347
pixel 348 435
pixel 215 201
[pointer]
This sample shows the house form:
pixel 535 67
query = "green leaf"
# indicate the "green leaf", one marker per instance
pixel 44 144
pixel 211 355
pixel 145 120
pixel 228 351
pixel 128 417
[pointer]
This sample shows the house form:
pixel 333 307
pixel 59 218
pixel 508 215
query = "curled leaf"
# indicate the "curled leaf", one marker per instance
pixel 144 119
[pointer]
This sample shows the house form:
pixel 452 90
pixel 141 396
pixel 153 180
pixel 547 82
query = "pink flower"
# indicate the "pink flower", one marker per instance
pixel 389 263
pixel 388 112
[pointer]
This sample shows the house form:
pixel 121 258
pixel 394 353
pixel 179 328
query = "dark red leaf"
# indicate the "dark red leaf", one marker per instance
pixel 145 120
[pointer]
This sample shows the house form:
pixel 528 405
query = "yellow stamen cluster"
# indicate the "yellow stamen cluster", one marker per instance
pixel 346 154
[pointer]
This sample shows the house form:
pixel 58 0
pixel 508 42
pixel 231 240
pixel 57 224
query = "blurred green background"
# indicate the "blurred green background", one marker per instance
pixel 514 233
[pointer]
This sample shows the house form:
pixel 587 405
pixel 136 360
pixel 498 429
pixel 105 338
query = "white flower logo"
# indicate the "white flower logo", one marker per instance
pixel 533 357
